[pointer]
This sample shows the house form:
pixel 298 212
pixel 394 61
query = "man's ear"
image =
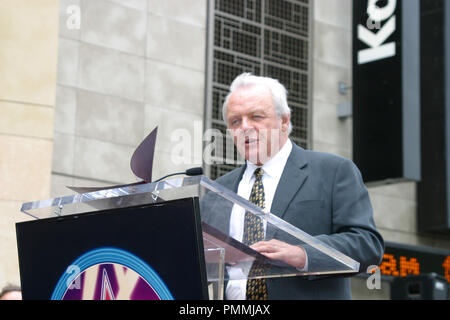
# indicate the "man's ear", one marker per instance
pixel 285 120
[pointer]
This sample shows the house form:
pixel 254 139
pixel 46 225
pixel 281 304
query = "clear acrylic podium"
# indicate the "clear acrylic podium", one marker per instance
pixel 226 259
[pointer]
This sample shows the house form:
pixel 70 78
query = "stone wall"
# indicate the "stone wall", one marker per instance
pixel 131 66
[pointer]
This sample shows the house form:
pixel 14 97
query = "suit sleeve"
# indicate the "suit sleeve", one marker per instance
pixel 353 228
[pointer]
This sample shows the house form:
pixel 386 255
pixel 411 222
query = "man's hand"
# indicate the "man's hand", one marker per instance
pixel 277 250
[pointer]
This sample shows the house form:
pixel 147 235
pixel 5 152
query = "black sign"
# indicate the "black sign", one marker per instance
pixel 433 191
pixel 150 252
pixel 386 99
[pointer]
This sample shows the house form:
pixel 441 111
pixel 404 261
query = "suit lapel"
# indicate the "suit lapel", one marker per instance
pixel 230 181
pixel 291 181
pixel 235 183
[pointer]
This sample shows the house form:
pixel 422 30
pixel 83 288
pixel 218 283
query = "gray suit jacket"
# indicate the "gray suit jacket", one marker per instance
pixel 323 195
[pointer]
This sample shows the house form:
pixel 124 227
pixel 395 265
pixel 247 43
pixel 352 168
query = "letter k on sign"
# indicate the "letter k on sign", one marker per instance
pixel 377 48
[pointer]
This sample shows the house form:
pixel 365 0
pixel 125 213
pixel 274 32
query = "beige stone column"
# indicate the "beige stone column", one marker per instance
pixel 28 59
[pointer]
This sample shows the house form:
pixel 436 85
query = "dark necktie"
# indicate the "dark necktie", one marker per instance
pixel 254 232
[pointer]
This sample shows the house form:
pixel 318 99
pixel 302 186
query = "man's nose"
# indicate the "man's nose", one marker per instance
pixel 246 124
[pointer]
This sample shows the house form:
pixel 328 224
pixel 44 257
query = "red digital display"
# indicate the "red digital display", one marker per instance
pixel 402 260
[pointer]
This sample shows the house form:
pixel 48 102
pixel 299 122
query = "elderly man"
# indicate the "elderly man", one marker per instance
pixel 320 193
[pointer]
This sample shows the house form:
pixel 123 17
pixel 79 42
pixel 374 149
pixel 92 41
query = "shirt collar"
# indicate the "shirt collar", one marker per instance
pixel 274 167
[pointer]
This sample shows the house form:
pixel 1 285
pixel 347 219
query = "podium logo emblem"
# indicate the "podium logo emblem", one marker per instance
pixel 110 274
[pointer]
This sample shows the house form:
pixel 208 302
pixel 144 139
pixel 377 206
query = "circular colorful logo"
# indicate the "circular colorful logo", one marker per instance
pixel 110 274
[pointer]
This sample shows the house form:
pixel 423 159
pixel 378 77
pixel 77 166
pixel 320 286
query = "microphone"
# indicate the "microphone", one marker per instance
pixel 194 171
pixel 190 172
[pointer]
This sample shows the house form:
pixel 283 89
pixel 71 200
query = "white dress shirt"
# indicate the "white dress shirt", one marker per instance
pixel 273 169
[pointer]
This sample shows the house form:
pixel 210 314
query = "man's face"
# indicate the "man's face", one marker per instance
pixel 257 131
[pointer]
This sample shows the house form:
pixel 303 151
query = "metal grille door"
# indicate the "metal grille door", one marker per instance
pixel 264 37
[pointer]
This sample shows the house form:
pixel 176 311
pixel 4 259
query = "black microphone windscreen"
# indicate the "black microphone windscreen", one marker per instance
pixel 194 171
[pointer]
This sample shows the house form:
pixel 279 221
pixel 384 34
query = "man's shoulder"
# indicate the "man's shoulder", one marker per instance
pixel 312 156
pixel 328 164
pixel 323 163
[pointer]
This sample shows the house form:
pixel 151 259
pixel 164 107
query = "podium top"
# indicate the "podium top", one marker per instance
pixel 216 203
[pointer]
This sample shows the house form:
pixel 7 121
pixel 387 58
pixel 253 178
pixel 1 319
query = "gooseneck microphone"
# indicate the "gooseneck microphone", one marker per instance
pixel 190 172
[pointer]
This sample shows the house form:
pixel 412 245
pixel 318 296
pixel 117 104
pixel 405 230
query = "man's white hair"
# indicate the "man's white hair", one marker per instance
pixel 279 93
